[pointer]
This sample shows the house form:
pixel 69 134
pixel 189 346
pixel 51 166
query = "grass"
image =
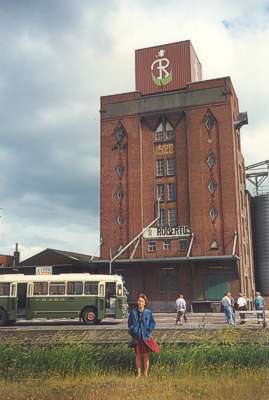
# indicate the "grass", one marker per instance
pixel 82 359
pixel 219 369
pixel 245 384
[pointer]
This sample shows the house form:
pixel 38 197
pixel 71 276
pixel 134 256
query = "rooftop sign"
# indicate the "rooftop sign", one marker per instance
pixel 166 67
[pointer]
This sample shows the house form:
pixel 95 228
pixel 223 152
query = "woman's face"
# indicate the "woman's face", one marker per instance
pixel 141 303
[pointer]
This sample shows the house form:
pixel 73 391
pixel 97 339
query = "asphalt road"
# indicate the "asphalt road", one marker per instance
pixel 164 321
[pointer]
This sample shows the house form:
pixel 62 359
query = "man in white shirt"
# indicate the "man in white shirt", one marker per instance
pixel 242 306
pixel 181 309
pixel 227 308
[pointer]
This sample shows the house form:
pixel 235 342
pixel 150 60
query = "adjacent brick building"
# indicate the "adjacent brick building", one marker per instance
pixel 176 139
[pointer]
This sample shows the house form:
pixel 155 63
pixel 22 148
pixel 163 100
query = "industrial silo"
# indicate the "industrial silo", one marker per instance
pixel 260 223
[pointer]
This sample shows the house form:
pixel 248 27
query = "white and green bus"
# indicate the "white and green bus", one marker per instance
pixel 88 297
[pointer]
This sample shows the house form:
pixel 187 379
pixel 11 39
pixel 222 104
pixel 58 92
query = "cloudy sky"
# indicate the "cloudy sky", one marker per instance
pixel 59 56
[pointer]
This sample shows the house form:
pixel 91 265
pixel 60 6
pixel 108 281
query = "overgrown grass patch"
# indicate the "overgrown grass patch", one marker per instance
pixel 81 359
pixel 247 384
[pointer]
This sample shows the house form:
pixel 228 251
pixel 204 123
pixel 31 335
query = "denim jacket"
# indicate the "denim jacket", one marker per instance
pixel 259 303
pixel 140 325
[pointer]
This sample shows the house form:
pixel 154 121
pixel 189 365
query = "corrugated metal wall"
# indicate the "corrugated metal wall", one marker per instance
pixel 260 223
pixel 182 59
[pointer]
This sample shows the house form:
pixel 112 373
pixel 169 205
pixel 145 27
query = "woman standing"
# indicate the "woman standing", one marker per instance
pixel 140 325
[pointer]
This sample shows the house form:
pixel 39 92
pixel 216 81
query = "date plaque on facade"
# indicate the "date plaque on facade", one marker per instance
pixel 167 232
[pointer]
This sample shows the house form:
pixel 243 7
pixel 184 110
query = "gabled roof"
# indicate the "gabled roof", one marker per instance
pixel 72 255
pixel 56 257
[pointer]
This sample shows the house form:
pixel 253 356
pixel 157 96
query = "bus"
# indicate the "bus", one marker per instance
pixel 88 297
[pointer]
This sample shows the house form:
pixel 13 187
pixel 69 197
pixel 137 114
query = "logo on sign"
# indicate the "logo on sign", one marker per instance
pixel 160 72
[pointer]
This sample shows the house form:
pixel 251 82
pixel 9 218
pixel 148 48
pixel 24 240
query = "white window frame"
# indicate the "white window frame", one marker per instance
pixel 160 167
pixel 171 171
pixel 159 133
pixel 160 192
pixel 172 216
pixel 167 244
pixel 161 221
pixel 171 191
pixel 151 246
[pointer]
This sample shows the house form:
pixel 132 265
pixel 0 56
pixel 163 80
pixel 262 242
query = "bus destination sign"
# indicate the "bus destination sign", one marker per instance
pixel 167 232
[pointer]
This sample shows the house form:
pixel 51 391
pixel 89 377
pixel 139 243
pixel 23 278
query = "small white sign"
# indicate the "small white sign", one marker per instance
pixel 167 232
pixel 44 270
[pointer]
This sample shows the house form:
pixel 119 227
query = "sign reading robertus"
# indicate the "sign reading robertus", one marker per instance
pixel 161 232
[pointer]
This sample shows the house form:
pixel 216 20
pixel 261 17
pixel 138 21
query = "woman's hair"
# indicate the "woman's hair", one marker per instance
pixel 143 296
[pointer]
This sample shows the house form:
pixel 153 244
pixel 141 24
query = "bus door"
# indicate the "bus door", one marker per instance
pixel 22 299
pixel 12 302
pixel 110 297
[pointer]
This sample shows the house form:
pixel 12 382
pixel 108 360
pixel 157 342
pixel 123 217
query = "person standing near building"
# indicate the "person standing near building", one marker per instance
pixel 242 306
pixel 181 310
pixel 227 308
pixel 232 308
pixel 140 326
pixel 259 305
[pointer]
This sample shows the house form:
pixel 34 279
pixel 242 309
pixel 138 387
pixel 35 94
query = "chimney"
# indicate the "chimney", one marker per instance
pixel 16 258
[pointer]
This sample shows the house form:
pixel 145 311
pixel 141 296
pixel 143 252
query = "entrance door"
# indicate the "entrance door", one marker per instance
pixel 21 295
pixel 216 285
pixel 110 298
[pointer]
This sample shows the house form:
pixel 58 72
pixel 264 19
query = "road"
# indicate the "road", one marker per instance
pixel 164 321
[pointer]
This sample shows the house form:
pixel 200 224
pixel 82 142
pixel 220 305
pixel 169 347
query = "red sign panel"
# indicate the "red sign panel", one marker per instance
pixel 166 67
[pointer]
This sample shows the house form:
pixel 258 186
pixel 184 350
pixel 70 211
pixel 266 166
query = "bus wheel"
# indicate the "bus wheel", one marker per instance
pixel 3 318
pixel 89 316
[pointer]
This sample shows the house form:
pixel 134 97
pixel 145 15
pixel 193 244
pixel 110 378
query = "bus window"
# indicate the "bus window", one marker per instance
pixel 119 290
pixel 91 288
pixel 74 288
pixel 13 291
pixel 40 288
pixel 102 290
pixel 57 288
pixel 4 289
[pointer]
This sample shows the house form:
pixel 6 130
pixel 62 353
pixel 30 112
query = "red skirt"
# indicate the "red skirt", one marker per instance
pixel 141 348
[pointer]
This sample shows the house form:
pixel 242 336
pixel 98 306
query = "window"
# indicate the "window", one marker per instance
pixel 167 244
pixel 171 192
pixel 120 170
pixel 74 288
pixel 57 288
pixel 160 167
pixel 120 220
pixel 160 192
pixel 159 133
pixel 91 288
pixel 151 246
pixel 41 288
pixel 161 221
pixel 213 213
pixel 4 289
pixel 168 280
pixel 120 195
pixel 171 166
pixel 183 244
pixel 242 198
pixel 211 160
pixel 170 133
pixel 172 217
pixel 212 186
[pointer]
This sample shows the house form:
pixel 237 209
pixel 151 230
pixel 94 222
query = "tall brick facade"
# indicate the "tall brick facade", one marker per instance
pixel 183 148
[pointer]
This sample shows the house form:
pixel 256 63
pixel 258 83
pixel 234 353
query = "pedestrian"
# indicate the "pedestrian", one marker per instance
pixel 227 308
pixel 259 305
pixel 232 308
pixel 140 326
pixel 181 310
pixel 242 306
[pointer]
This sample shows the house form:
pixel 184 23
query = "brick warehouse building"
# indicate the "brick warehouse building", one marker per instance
pixel 176 139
